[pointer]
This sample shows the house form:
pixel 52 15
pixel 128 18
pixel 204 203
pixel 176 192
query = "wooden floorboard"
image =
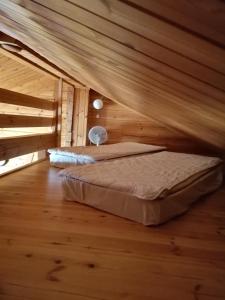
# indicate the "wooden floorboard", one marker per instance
pixel 52 249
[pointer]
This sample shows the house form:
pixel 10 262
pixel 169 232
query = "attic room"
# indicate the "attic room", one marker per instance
pixel 112 148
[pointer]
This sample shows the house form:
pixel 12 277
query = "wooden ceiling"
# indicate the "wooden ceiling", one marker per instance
pixel 163 59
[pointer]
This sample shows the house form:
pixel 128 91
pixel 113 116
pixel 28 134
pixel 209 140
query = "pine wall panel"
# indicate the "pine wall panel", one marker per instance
pixel 123 124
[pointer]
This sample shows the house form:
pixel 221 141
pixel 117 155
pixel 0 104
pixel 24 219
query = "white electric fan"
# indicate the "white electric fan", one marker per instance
pixel 97 135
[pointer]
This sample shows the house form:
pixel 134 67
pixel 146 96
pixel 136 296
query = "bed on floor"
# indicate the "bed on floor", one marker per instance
pixel 148 187
pixel 64 157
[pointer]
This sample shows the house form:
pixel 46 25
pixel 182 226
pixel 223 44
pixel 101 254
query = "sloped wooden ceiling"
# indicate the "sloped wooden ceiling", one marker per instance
pixel 164 59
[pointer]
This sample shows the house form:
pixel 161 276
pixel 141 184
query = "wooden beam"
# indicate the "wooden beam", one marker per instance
pixel 9 121
pixel 80 116
pixel 11 97
pixel 15 146
pixel 4 38
pixel 70 107
pixel 67 115
pixel 58 100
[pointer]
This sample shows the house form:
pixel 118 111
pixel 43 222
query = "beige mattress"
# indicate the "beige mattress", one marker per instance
pixel 63 157
pixel 150 189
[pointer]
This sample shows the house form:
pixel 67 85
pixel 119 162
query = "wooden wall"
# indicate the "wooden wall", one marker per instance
pixel 20 78
pixel 80 117
pixel 123 124
pixel 27 121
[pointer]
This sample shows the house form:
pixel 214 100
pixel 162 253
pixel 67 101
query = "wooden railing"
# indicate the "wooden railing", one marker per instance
pixel 19 145
pixel 11 97
pixel 10 121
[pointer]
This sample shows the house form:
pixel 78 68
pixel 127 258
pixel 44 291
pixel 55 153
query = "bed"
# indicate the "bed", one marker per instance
pixel 64 157
pixel 149 188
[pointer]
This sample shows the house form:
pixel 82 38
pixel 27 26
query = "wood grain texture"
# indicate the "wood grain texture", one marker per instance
pixel 10 121
pixel 19 76
pixel 204 18
pixel 10 97
pixel 123 124
pixel 80 117
pixel 131 53
pixel 52 249
pixel 34 61
pixel 58 102
pixel 67 114
pixel 15 146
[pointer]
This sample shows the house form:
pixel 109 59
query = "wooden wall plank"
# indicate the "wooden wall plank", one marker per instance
pixel 9 121
pixel 16 146
pixel 11 97
pixel 58 101
pixel 80 117
pixel 125 125
pixel 67 114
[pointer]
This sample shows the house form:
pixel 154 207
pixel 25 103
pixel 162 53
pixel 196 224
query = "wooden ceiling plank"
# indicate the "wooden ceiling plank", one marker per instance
pixel 155 66
pixel 205 18
pixel 16 30
pixel 158 31
pixel 31 58
pixel 26 63
pixel 120 63
pixel 80 32
pixel 123 36
pixel 147 79
pixel 206 102
pixel 32 61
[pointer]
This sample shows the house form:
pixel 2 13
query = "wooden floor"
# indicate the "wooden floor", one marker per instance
pixel 52 249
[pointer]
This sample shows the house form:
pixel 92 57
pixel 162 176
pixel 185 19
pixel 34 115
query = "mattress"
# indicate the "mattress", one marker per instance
pixel 68 156
pixel 150 188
